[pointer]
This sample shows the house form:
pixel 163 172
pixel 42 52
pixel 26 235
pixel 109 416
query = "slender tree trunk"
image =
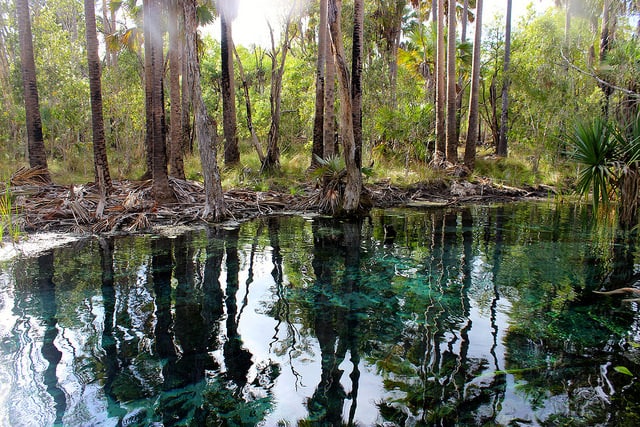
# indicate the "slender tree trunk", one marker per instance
pixel 231 151
pixel 474 116
pixel 451 125
pixel 187 139
pixel 441 141
pixel 215 207
pixel 162 193
pixel 101 165
pixel 464 20
pixel 175 113
pixel 35 140
pixel 356 77
pixel 353 188
pixel 504 125
pixel 606 41
pixel 148 100
pixel 272 158
pixel 329 125
pixel 318 142
pixel 247 102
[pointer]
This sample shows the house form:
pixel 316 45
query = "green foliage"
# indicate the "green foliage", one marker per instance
pixel 595 149
pixel 8 224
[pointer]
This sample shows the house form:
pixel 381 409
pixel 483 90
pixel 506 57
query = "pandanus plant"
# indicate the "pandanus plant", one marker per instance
pixel 609 157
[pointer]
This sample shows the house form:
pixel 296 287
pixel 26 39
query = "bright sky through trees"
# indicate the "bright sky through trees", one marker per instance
pixel 250 26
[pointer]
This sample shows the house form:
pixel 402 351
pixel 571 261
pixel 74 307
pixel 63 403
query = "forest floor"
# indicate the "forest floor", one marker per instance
pixel 81 210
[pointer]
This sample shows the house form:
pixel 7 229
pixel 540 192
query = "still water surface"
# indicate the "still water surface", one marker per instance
pixel 466 316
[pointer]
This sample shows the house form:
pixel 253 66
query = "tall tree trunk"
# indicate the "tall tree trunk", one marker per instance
pixel 474 116
pixel 451 125
pixel 329 125
pixel 215 207
pixel 101 165
pixel 356 78
pixel 187 139
pixel 504 125
pixel 272 158
pixel 148 91
pixel 231 150
pixel 353 187
pixel 464 20
pixel 606 41
pixel 175 113
pixel 162 193
pixel 35 140
pixel 247 102
pixel 441 141
pixel 317 150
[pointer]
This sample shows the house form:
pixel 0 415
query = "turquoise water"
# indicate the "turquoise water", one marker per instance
pixel 465 316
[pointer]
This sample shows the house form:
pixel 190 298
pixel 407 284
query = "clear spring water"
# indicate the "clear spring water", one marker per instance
pixel 465 316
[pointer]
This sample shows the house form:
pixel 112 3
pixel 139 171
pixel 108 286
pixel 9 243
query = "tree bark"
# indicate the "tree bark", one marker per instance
pixel 329 125
pixel 504 125
pixel 474 116
pixel 215 207
pixel 317 150
pixel 356 78
pixel 162 192
pixel 247 102
pixel 101 165
pixel 272 158
pixel 175 113
pixel 441 141
pixel 35 140
pixel 606 40
pixel 231 150
pixel 353 187
pixel 451 124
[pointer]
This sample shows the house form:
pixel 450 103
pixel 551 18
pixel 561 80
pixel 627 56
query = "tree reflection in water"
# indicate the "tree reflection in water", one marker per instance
pixel 465 316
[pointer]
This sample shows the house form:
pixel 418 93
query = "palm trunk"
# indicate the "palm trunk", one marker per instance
pixel 451 124
pixel 35 140
pixel 441 141
pixel 231 151
pixel 162 193
pixel 175 114
pixel 215 207
pixel 318 141
pixel 356 78
pixel 101 165
pixel 472 129
pixel 504 125
pixel 329 125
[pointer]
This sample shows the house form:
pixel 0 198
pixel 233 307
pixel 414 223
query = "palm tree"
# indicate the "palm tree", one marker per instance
pixel 175 113
pixel 101 165
pixel 451 123
pixel 215 207
pixel 228 11
pixel 35 140
pixel 610 166
pixel 441 142
pixel 473 121
pixel 318 142
pixel 162 193
pixel 356 78
pixel 501 149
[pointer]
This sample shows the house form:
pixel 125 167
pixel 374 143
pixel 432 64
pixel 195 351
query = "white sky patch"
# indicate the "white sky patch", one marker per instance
pixel 250 26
